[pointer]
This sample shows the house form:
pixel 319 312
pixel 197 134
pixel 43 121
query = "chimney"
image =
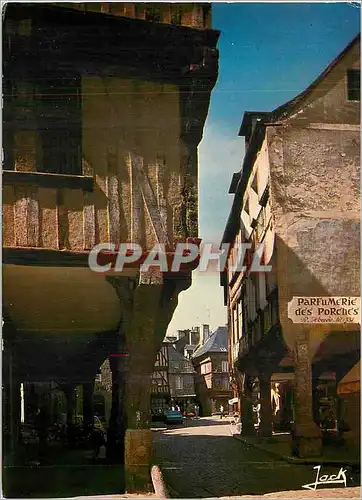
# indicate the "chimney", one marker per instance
pixel 204 334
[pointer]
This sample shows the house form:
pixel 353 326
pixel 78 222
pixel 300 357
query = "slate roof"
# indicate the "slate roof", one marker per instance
pixel 177 362
pixel 217 342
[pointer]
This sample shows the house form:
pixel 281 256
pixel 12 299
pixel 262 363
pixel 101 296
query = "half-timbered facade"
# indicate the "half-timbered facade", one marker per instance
pixel 104 107
pixel 160 386
pixel 212 379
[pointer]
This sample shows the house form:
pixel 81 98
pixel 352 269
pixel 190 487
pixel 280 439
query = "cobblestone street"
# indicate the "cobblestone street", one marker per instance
pixel 201 459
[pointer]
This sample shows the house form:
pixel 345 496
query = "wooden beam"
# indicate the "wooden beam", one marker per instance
pixel 150 200
pixel 42 179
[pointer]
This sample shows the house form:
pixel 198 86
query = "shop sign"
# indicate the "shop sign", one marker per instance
pixel 325 310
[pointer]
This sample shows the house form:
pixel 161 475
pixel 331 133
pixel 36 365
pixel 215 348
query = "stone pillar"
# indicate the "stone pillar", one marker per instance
pixel 142 349
pixel 307 437
pixel 247 428
pixel 147 308
pixel 340 405
pixel 286 412
pixel 265 427
pixel 88 408
pixel 315 398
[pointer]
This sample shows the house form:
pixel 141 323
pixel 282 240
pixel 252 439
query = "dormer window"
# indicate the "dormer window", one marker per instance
pixel 354 84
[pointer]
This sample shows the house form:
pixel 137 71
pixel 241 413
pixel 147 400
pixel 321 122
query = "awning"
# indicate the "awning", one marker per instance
pixel 349 387
pixel 233 401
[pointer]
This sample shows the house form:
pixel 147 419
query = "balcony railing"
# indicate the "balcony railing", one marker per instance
pixel 159 389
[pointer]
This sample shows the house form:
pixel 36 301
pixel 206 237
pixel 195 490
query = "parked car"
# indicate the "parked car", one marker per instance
pixel 158 416
pixel 174 417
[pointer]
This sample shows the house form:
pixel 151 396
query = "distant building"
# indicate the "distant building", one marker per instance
pixel 160 387
pixel 186 341
pixel 181 379
pixel 172 381
pixel 210 360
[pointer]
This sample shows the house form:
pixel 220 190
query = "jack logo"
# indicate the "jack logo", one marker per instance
pixel 339 478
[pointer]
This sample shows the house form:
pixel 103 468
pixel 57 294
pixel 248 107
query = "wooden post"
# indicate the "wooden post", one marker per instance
pixel 265 427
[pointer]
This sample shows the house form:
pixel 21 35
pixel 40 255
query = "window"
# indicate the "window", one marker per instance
pixel 224 366
pixel 48 112
pixel 236 326
pixel 354 84
pixel 240 320
pixel 254 184
pixel 59 115
pixel 206 368
pixel 225 384
pixel 179 383
pixel 265 196
pixel 247 207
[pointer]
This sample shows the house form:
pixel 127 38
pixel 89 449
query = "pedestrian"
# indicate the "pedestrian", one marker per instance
pixel 197 410
pixel 221 411
pixel 98 439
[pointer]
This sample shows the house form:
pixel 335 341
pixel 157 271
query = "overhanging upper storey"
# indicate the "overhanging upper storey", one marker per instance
pixel 66 39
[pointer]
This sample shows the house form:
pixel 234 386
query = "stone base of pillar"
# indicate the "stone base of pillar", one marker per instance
pixel 307 441
pixel 247 429
pixel 138 460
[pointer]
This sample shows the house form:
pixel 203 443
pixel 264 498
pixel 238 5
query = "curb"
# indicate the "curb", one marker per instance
pixel 296 460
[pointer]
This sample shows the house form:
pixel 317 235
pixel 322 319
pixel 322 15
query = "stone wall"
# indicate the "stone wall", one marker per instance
pixel 315 202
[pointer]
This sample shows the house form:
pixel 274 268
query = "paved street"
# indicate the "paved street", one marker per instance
pixel 201 459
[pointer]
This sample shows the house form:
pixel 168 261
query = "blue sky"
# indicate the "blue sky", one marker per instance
pixel 269 52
